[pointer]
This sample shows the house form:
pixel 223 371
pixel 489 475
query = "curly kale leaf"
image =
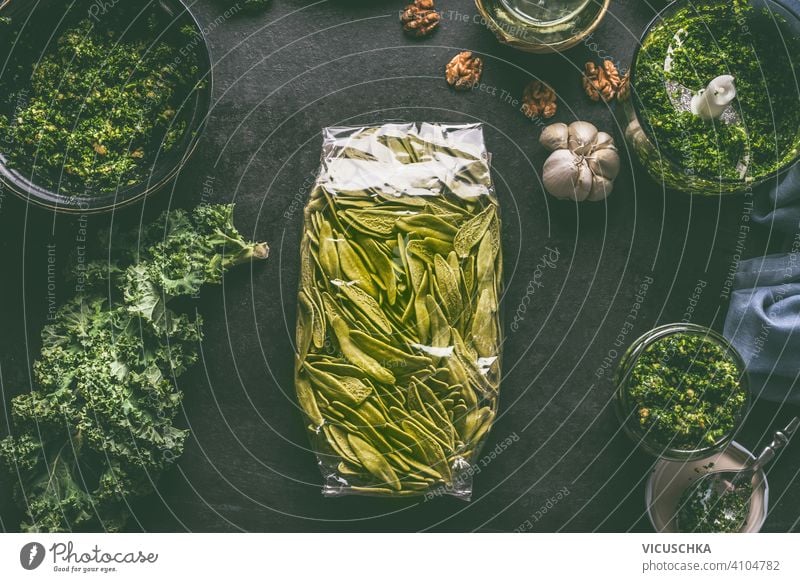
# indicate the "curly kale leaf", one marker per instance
pixel 183 254
pixel 99 429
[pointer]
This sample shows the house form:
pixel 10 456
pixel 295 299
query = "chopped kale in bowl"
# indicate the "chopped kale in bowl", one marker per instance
pixel 106 110
pixel 685 47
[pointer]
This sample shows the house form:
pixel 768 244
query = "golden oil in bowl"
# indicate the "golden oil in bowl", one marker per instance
pixel 545 12
pixel 542 26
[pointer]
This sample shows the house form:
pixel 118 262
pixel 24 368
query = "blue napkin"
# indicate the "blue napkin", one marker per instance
pixel 763 323
pixel 779 208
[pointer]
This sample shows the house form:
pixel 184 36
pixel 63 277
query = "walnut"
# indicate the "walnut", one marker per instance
pixel 612 74
pixel 602 82
pixel 463 71
pixel 539 100
pixel 624 89
pixel 420 18
pixel 596 83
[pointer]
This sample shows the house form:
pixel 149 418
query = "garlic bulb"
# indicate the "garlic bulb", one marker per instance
pixel 584 162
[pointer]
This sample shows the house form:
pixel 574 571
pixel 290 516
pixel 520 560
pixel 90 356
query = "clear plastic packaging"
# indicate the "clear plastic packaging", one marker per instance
pixel 398 330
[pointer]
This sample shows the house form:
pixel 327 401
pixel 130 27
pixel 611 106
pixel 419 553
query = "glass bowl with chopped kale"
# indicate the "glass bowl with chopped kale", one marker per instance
pixel 101 103
pixel 756 137
pixel 681 391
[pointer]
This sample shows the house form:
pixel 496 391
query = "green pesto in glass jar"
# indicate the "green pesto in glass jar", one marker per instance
pixel 704 40
pixel 704 510
pixel 686 392
pixel 103 103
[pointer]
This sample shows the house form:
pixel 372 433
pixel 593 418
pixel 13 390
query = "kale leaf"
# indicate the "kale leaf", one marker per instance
pixel 99 429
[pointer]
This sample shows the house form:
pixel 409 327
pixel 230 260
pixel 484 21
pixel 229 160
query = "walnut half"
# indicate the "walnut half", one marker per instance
pixel 539 100
pixel 624 89
pixel 420 18
pixel 463 71
pixel 603 82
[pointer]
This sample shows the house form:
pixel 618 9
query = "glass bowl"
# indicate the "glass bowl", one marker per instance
pixel 537 27
pixel 40 21
pixel 682 173
pixel 669 479
pixel 627 410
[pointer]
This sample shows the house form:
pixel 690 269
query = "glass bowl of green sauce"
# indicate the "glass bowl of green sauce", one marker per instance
pixel 714 106
pixel 542 27
pixel 681 391
pixel 101 103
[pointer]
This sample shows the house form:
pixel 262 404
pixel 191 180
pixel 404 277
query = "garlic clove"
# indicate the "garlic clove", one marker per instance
pixel 604 163
pixel 601 188
pixel 567 176
pixel 603 141
pixel 555 136
pixel 581 138
pixel 584 183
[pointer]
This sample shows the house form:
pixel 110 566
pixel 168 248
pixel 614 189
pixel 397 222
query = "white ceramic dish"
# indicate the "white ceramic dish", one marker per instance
pixel 669 479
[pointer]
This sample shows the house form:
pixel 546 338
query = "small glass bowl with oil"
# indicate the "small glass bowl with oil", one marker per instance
pixel 542 26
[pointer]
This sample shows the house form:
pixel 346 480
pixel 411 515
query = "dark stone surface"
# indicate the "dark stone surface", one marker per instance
pixel 280 77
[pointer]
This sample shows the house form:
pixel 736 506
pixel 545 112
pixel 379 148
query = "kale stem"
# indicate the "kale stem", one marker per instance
pixel 258 251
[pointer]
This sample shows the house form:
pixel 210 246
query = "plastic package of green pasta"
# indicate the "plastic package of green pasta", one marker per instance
pixel 398 330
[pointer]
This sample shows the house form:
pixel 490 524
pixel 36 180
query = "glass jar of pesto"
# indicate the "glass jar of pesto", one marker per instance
pixel 681 391
pixel 713 105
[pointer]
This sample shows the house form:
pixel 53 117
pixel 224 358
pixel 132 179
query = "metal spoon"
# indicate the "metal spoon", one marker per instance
pixel 731 482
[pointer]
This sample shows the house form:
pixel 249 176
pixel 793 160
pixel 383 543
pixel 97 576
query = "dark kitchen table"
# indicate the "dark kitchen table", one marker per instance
pixel 646 257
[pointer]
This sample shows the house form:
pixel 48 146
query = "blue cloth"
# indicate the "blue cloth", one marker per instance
pixel 778 209
pixel 763 324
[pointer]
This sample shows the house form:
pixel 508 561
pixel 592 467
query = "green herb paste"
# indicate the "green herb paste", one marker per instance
pixel 704 510
pixel 723 38
pixel 94 112
pixel 687 392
